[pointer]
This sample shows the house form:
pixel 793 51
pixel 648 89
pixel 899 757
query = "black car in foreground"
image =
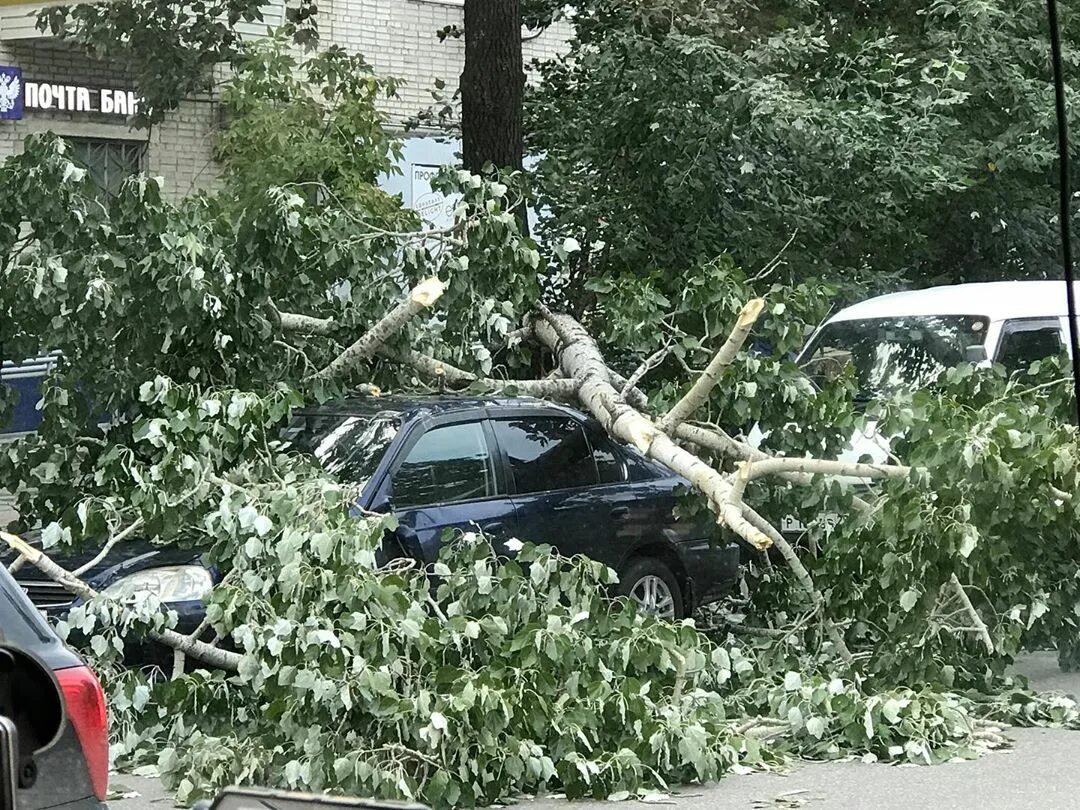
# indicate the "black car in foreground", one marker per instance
pixel 73 774
pixel 516 469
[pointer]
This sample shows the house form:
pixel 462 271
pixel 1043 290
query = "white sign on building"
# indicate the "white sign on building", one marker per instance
pixel 73 98
pixel 434 207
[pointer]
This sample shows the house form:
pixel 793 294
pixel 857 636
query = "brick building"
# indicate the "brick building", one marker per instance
pixel 398 37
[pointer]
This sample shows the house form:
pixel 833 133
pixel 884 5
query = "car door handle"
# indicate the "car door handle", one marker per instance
pixel 493 528
pixel 620 512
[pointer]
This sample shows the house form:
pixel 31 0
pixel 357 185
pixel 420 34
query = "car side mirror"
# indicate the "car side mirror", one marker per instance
pixel 975 354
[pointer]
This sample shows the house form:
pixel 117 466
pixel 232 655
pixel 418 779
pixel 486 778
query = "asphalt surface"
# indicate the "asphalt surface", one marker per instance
pixel 1041 771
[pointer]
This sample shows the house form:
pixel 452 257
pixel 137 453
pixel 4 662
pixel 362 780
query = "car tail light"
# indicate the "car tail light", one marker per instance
pixel 86 711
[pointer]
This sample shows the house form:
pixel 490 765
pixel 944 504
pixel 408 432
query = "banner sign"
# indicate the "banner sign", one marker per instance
pixel 17 95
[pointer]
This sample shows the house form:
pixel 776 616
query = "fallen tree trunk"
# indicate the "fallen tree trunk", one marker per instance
pixel 616 402
pixel 580 359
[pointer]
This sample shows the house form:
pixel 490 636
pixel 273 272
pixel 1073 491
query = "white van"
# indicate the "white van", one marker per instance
pixel 904 340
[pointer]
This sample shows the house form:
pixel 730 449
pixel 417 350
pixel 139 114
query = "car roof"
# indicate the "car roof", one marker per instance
pixel 411 407
pixel 996 300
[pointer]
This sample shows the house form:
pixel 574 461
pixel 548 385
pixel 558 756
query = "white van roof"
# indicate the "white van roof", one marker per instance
pixel 996 300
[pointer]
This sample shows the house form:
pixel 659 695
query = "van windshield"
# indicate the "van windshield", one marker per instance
pixel 888 355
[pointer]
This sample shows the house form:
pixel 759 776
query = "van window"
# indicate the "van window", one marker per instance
pixel 1024 342
pixel 887 355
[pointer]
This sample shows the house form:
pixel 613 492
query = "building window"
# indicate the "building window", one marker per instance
pixel 108 162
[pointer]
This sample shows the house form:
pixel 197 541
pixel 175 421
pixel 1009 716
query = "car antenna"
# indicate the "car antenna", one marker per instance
pixel 1064 195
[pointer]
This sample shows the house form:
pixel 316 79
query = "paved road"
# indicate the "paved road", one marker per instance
pixel 1040 772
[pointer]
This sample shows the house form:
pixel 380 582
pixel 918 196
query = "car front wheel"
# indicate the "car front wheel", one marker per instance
pixel 653 586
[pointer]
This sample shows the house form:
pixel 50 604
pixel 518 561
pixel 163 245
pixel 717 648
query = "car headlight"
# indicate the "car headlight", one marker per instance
pixel 170 583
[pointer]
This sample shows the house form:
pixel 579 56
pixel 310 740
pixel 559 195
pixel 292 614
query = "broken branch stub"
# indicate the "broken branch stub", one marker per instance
pixel 421 297
pixel 699 392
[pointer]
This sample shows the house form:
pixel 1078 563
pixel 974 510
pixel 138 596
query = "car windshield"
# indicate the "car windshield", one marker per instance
pixel 348 447
pixel 888 355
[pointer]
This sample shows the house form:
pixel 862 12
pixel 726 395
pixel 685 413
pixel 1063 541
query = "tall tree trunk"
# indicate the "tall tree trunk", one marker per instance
pixel 492 85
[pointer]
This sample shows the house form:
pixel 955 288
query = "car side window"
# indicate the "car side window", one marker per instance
pixel 446 465
pixel 546 453
pixel 1022 343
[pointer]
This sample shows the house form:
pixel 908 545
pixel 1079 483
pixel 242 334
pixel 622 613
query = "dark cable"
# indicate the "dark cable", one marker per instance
pixel 1064 194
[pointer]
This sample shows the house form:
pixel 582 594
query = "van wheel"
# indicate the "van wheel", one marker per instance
pixel 650 584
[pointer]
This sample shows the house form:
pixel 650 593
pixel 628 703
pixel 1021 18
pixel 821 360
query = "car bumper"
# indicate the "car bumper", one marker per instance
pixel 712 569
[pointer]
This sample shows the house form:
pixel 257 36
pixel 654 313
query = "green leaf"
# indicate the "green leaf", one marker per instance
pixel 908 600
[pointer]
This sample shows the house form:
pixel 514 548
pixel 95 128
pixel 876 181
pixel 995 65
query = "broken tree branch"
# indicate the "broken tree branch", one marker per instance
pixel 978 624
pixel 580 358
pixel 305 324
pixel 189 646
pixel 651 362
pixel 422 296
pixel 119 537
pixel 719 442
pixel 703 386
pixel 818 466
pixel 431 368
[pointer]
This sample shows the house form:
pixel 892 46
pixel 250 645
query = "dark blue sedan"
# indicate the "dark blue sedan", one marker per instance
pixel 522 469
pixel 515 469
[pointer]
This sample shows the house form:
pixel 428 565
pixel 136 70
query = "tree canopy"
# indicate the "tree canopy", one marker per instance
pixel 908 144
pixel 189 331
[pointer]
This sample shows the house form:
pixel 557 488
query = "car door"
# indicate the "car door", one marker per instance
pixel 555 483
pixel 446 478
pixel 1025 340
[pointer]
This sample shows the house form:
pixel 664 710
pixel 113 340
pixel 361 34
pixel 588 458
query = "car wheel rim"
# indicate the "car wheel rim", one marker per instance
pixel 654 596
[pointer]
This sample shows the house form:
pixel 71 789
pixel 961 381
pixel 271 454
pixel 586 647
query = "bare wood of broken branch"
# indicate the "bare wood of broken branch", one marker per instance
pixel 422 296
pixel 979 625
pixel 189 646
pixel 304 324
pixel 699 392
pixel 431 368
